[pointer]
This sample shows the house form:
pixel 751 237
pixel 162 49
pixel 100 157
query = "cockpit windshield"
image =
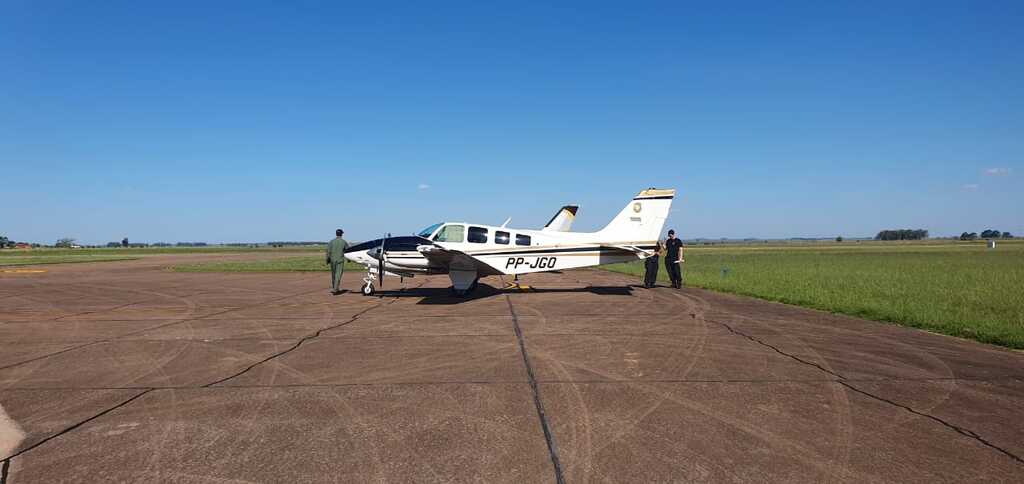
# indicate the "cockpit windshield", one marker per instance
pixel 427 232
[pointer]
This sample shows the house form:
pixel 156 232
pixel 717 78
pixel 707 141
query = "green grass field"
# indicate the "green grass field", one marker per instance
pixel 288 264
pixel 959 289
pixel 15 257
pixel 59 259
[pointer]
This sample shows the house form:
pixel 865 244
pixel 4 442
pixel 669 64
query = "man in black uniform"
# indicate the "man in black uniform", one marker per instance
pixel 651 267
pixel 674 259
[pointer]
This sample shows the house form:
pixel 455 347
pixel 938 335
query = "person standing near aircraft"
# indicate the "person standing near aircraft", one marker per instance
pixel 336 259
pixel 674 259
pixel 651 267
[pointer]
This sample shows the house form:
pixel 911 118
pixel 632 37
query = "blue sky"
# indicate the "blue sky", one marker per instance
pixel 249 121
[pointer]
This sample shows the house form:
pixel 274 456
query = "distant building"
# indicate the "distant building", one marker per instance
pixel 22 245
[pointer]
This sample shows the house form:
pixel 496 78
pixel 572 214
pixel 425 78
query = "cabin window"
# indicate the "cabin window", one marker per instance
pixel 501 237
pixel 522 239
pixel 451 233
pixel 477 235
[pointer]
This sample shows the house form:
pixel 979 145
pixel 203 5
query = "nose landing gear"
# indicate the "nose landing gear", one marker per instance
pixel 368 281
pixel 368 289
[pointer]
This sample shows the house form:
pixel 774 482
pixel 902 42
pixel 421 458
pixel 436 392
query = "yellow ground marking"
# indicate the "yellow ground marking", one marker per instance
pixel 23 271
pixel 518 287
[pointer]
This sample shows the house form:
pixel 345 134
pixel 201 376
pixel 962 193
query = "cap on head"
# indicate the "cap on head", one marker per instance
pixel 339 232
pixel 671 232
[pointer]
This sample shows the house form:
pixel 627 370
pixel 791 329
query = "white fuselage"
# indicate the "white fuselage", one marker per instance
pixel 493 250
pixel 507 251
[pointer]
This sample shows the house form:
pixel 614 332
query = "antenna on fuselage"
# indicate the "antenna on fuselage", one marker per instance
pixel 506 222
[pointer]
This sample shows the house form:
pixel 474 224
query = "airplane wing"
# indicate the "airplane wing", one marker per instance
pixel 455 260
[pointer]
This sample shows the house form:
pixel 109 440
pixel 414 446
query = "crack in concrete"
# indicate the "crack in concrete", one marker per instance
pixel 300 342
pixel 846 383
pixel 783 353
pixel 65 350
pixel 293 347
pixel 69 429
pixel 107 340
pixel 736 381
pixel 115 308
pixel 3 471
pixel 956 428
pixel 549 437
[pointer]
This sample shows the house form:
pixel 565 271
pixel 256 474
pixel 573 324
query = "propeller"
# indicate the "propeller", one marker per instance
pixel 381 259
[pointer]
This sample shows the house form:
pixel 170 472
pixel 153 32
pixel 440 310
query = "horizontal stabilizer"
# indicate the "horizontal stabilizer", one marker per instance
pixel 639 252
pixel 562 221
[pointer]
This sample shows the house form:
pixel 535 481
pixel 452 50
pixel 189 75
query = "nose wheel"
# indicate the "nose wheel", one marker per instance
pixel 368 289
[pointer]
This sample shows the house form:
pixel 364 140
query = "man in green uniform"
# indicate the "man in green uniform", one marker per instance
pixel 336 259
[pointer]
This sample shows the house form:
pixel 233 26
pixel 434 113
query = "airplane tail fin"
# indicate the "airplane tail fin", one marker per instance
pixel 562 221
pixel 642 219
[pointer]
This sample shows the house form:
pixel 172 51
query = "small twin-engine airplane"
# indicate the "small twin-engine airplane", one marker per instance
pixel 467 251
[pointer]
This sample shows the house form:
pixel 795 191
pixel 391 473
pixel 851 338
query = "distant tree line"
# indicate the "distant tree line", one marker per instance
pixel 8 243
pixel 902 234
pixel 986 234
pixel 135 245
pixel 292 243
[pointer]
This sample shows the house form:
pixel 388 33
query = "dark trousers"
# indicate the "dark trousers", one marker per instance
pixel 675 273
pixel 651 270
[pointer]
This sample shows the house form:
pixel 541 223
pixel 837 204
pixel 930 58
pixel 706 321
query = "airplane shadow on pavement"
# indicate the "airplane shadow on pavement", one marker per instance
pixel 443 295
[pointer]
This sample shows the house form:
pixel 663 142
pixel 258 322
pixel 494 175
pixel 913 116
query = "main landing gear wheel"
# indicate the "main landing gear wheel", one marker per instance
pixel 368 289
